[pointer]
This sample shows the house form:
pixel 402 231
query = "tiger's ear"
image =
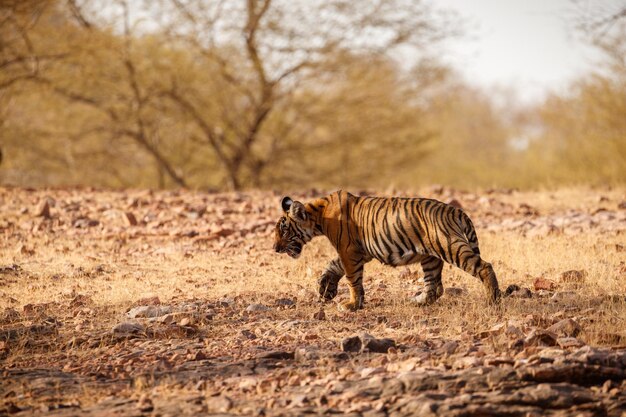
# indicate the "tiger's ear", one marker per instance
pixel 286 203
pixel 297 211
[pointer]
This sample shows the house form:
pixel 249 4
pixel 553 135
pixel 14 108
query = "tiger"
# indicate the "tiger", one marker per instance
pixel 393 230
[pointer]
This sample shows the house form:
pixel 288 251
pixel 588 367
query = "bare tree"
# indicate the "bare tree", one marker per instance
pixel 266 51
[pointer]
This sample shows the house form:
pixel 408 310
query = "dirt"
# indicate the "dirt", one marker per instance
pixel 172 303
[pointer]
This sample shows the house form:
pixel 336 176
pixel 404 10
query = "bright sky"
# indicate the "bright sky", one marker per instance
pixel 526 44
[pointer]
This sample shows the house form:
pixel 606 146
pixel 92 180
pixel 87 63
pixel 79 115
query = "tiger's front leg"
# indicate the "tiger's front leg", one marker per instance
pixel 328 283
pixel 354 274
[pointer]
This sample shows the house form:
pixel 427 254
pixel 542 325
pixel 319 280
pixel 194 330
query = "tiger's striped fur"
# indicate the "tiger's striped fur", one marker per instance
pixel 395 231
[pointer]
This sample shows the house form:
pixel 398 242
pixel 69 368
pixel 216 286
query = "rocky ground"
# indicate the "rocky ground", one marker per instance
pixel 172 303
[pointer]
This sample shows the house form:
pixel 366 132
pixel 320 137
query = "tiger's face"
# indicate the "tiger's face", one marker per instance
pixel 293 230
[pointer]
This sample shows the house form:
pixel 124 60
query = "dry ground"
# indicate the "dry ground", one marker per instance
pixel 169 303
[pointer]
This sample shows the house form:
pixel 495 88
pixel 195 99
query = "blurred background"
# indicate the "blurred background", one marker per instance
pixel 240 94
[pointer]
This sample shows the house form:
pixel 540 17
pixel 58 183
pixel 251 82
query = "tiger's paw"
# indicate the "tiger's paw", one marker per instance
pixel 424 298
pixel 349 306
pixel 327 288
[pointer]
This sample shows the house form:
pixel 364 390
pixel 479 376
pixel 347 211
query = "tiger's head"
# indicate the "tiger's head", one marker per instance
pixel 294 229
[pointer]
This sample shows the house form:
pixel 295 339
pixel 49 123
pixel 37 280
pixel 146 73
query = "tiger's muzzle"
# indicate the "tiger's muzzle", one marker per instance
pixel 293 250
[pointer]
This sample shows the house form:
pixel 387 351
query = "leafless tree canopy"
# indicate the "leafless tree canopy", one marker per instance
pixel 275 93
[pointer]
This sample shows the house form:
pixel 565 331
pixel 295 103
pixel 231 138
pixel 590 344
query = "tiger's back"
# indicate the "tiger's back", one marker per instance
pixel 401 231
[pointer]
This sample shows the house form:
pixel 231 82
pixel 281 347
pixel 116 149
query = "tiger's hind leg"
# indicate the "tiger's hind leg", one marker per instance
pixel 432 267
pixel 470 261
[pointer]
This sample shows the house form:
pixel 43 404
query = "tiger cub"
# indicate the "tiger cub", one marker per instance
pixel 395 231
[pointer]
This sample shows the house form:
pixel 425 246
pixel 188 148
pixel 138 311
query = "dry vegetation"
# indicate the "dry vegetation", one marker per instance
pixel 236 328
pixel 211 94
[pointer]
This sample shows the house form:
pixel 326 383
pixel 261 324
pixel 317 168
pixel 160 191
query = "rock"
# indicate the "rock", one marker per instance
pixel 306 353
pixel 351 344
pixel 226 302
pixel 43 208
pixel 540 337
pixel 223 232
pixel 285 302
pixel 128 327
pixel 467 362
pixel 247 334
pixel 563 295
pixel 148 311
pixel 84 223
pixel 448 348
pixel 366 342
pixel 129 218
pixel 145 404
pixel 566 328
pixel 257 307
pixel 569 342
pixel 219 404
pixel 320 315
pixel 521 293
pixel 277 355
pixel 543 294
pixel 80 300
pixel 514 332
pixel 544 284
pixel 574 276
pixel 368 372
pixel 149 301
pixel 372 344
pixel 454 291
pixel 511 289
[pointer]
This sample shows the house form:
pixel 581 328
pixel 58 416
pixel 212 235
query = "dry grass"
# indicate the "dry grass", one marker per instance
pixel 115 266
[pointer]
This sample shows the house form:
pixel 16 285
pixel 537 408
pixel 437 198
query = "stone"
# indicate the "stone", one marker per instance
pixel 573 276
pixel 285 302
pixel 149 301
pixel 566 328
pixel 521 293
pixel 351 344
pixel 454 291
pixel 544 284
pixel 540 337
pixel 372 344
pixel 148 311
pixel 367 343
pixel 129 218
pixel 247 334
pixel 306 353
pixel 219 404
pixel 84 223
pixel 226 302
pixel 128 327
pixel 569 342
pixel 467 362
pixel 257 307
pixel 563 296
pixel 319 315
pixel 277 355
pixel 369 372
pixel 43 208
pixel 448 348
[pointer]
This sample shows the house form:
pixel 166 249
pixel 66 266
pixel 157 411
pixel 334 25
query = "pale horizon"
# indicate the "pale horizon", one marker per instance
pixel 527 46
